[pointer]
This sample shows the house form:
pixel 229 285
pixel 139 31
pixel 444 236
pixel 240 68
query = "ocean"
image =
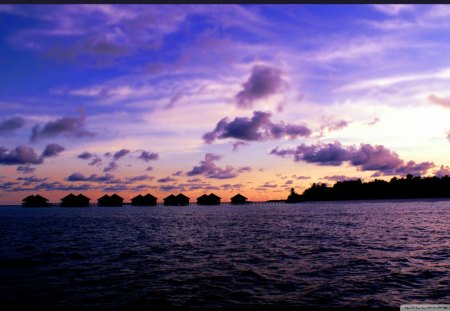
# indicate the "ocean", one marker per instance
pixel 322 254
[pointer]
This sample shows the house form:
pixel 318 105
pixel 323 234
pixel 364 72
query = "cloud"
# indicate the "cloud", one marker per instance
pixel 366 157
pixel 31 180
pixel 268 185
pixel 231 186
pixel 194 180
pixel 121 153
pixel 258 128
pixel 11 124
pixel 62 187
pixel 96 160
pixel 300 177
pixel 263 82
pixel 178 173
pixel 149 168
pixel 209 169
pixel 393 9
pixel 20 155
pixel 148 156
pixel 174 100
pixel 85 155
pixel 70 126
pixel 340 178
pixel 374 121
pixel 25 169
pixel 237 145
pixel 138 178
pixel 112 166
pixel 107 178
pixel 412 168
pixel 444 102
pixel 442 171
pixel 332 125
pixel 244 169
pixel 52 150
pixel 169 188
pixel 166 179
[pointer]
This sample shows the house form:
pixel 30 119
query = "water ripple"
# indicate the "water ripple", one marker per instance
pixel 343 254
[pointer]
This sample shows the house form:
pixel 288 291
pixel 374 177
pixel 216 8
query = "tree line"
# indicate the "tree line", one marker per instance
pixel 397 188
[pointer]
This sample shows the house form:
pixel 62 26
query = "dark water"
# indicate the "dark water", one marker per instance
pixel 348 254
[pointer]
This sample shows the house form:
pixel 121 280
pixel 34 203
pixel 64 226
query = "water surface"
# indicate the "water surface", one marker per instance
pixel 345 254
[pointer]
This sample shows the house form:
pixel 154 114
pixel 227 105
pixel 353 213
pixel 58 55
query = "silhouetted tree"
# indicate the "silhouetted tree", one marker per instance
pixel 396 188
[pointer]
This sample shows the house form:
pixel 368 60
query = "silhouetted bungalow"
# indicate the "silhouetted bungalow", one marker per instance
pixel 147 200
pixel 138 200
pixel 203 200
pixel 83 200
pixel 211 199
pixel 214 199
pixel 113 200
pixel 170 200
pixel 182 199
pixel 35 201
pixel 72 200
pixel 238 199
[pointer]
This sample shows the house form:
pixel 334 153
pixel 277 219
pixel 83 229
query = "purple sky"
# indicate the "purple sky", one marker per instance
pixel 255 99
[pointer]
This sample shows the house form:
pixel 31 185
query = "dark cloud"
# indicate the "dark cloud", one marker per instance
pixel 52 150
pixel 11 124
pixel 25 169
pixel 340 178
pixel 170 188
pixel 72 126
pixel 9 186
pixel 194 180
pixel 112 166
pixel 258 128
pixel 96 160
pixel 138 178
pixel 148 156
pixel 62 187
pixel 263 82
pixel 366 157
pixel 166 179
pixel 149 168
pixel 178 173
pixel 268 185
pixel 121 153
pixel 85 155
pixel 300 177
pixel 289 182
pixel 107 178
pixel 209 169
pixel 51 186
pixel 31 180
pixel 20 155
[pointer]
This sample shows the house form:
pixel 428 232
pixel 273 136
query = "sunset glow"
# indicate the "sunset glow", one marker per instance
pixel 252 99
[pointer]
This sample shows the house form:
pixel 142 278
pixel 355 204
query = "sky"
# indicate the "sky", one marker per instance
pixel 250 99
